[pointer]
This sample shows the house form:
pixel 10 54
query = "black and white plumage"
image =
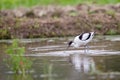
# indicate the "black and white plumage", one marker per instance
pixel 81 39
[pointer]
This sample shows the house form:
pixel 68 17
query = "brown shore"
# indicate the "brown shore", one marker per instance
pixel 59 21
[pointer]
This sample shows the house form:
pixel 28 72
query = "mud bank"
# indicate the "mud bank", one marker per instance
pixel 52 21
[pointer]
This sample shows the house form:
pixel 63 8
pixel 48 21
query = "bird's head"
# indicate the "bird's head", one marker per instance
pixel 92 33
pixel 70 44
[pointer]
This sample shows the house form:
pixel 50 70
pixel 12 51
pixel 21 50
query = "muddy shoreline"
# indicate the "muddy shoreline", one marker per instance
pixel 52 21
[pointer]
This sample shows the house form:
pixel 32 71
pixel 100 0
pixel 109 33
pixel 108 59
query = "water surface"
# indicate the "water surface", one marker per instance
pixel 51 60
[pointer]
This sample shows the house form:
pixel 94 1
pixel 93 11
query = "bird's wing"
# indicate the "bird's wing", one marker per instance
pixel 84 36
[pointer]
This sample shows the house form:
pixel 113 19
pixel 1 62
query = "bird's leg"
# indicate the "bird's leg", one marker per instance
pixel 86 48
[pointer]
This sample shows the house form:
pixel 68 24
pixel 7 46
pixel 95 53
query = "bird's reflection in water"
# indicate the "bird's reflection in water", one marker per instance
pixel 83 63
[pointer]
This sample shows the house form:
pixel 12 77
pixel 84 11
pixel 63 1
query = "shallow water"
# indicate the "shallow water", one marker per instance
pixel 51 60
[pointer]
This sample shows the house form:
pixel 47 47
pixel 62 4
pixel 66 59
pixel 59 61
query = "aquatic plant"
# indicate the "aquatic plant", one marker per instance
pixel 17 62
pixel 111 13
pixel 73 13
pixel 47 70
pixel 111 32
pixel 21 77
pixel 4 34
pixel 99 26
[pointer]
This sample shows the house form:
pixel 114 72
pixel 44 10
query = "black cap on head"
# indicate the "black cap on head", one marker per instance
pixel 69 44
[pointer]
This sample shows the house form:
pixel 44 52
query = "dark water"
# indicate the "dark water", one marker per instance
pixel 51 60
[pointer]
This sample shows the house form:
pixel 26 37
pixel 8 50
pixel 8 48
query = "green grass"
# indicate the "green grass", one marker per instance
pixel 7 4
pixel 17 62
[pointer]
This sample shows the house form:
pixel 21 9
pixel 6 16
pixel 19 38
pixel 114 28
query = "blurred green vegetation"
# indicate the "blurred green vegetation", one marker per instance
pixel 8 4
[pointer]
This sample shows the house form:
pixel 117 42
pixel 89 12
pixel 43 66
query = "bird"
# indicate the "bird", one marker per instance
pixel 81 40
